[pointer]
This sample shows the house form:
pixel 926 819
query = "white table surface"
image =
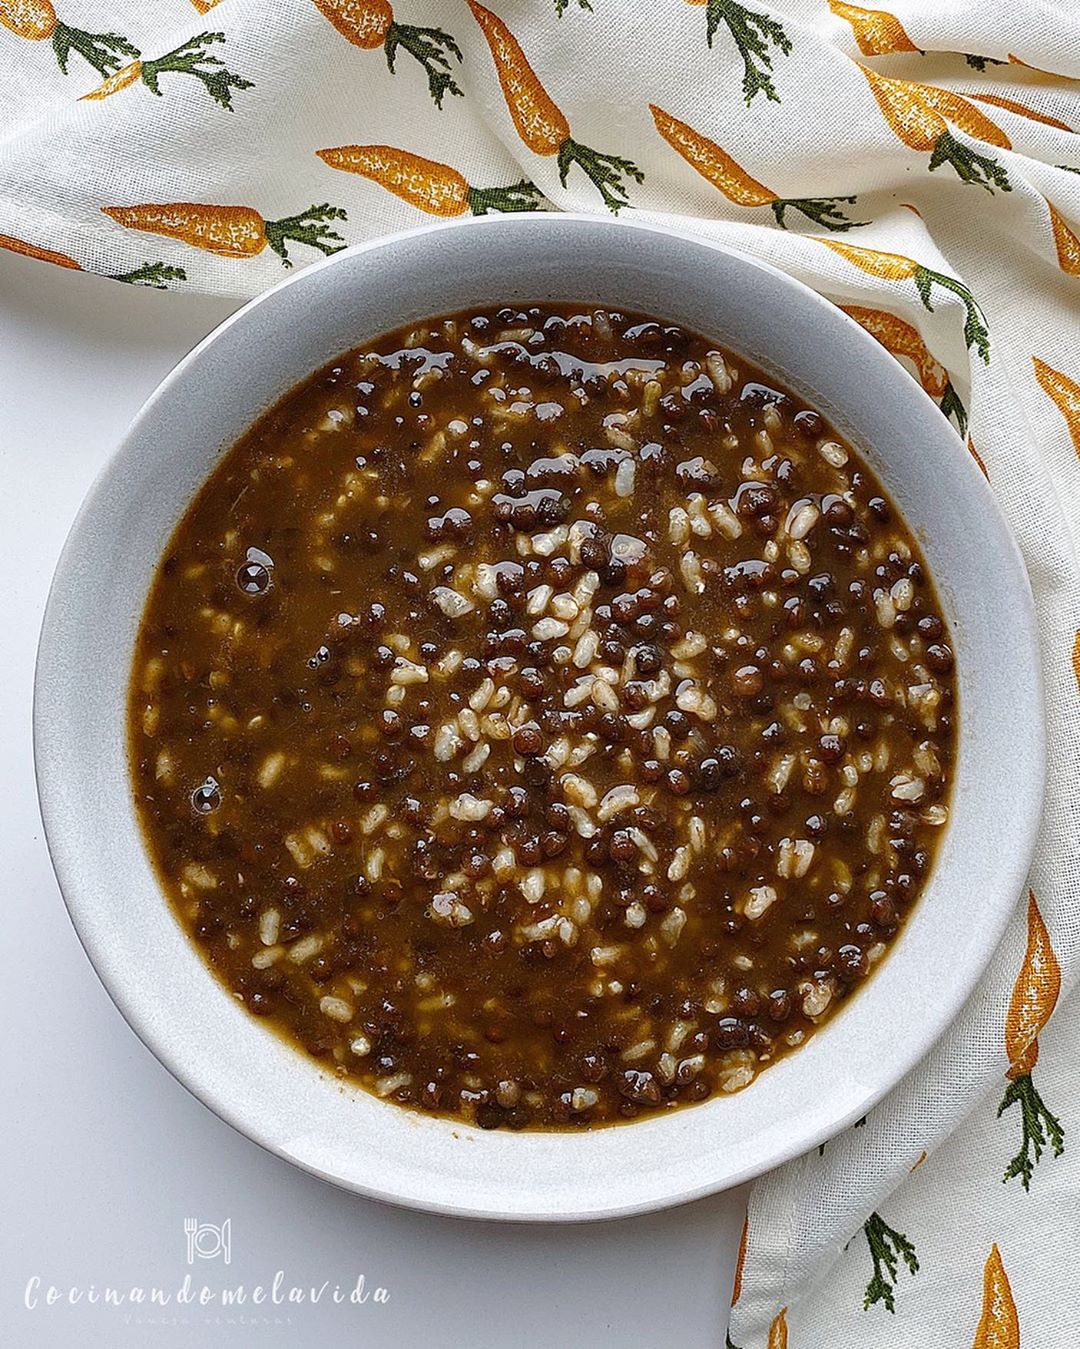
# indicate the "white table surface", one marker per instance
pixel 104 1155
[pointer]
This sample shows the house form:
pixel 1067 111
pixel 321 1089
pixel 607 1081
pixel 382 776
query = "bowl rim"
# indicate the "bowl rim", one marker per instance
pixel 50 750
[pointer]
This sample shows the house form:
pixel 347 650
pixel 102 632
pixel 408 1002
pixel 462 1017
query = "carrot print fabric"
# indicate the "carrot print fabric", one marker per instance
pixel 919 164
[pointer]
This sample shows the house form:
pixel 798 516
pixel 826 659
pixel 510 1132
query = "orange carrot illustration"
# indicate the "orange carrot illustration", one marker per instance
pixel 717 167
pixel 1066 243
pixel 1034 995
pixel 1021 109
pixel 1066 394
pixel 753 34
pixel 36 20
pixel 740 1261
pixel 1050 74
pixel 895 267
pixel 149 274
pixel 778 1331
pixel 736 1288
pixel 370 23
pixel 232 231
pixel 999 1325
pixel 877 32
pixel 541 124
pixel 902 340
pixel 978 458
pixel 204 6
pixel 428 185
pixel 919 115
pixel 887 1248
pixel 190 58
pixel 957 109
pixel 42 254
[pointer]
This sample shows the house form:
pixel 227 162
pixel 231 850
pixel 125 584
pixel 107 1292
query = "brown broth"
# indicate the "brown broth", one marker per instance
pixel 541 719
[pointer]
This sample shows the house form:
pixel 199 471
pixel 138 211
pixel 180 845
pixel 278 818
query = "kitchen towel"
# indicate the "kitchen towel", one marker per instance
pixel 920 167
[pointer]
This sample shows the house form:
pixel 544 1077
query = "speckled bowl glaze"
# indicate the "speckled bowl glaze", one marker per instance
pixel 281 1099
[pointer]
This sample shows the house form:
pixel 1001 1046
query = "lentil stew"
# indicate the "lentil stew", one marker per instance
pixel 541 719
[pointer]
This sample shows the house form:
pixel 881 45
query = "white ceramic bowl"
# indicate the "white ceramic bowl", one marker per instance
pixel 267 1089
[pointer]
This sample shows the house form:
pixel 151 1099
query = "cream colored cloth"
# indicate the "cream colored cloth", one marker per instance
pixel 920 168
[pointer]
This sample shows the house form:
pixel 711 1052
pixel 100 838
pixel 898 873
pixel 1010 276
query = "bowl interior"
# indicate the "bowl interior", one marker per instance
pixel 270 1091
